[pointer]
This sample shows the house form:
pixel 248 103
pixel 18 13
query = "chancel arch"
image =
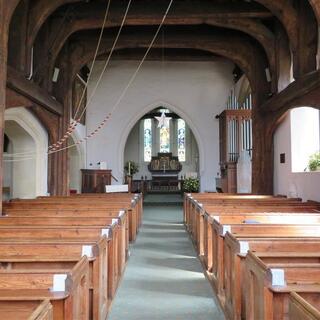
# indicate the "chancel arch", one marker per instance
pixel 175 138
pixel 197 90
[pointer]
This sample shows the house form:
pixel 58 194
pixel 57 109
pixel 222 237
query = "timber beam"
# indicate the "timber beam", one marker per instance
pixel 94 20
pixel 296 95
pixel 237 48
pixel 29 90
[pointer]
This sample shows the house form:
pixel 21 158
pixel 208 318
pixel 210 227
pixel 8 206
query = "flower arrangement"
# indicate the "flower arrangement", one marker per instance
pixel 314 162
pixel 131 168
pixel 191 185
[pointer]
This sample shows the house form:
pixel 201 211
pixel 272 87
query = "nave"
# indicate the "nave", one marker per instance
pixel 164 279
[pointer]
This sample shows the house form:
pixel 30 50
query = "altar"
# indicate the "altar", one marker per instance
pixel 165 170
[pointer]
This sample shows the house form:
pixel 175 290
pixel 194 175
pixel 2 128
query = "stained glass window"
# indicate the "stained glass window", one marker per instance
pixel 147 140
pixel 165 139
pixel 181 140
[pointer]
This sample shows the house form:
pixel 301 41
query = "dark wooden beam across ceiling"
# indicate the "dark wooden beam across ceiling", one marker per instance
pixel 32 92
pixel 304 87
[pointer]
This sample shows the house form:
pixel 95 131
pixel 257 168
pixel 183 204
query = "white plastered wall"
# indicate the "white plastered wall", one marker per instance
pixel 29 177
pixel 303 184
pixel 196 91
pixel 77 157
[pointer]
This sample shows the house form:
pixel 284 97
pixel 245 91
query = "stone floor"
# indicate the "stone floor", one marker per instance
pixel 164 279
pixel 163 199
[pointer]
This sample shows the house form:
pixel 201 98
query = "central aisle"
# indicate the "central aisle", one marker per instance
pixel 164 279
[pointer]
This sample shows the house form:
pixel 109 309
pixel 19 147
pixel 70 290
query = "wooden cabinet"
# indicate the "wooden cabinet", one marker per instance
pixel 95 180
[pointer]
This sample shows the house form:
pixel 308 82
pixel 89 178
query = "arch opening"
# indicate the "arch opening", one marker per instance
pixel 25 177
pixel 296 140
pixel 146 140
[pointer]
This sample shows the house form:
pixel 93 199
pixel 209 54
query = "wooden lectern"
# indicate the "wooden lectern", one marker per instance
pixel 95 180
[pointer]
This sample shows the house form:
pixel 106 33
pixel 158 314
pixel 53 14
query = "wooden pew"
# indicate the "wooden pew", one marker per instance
pixel 73 204
pixel 117 243
pixel 80 214
pixel 228 211
pixel 300 308
pixel 201 199
pixel 269 286
pixel 188 198
pixel 69 295
pixel 120 241
pixel 204 238
pixel 83 234
pixel 251 230
pixel 135 200
pixel 270 250
pixel 39 254
pixel 29 310
pixel 196 219
pixel 47 222
pixel 137 197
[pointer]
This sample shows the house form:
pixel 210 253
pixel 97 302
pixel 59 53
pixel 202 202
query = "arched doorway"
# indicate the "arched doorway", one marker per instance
pixel 26 174
pixel 148 139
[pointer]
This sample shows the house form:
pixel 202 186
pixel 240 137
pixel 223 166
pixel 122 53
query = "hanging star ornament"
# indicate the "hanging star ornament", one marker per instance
pixel 163 121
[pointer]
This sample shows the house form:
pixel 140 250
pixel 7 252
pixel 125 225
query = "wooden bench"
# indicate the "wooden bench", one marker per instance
pixel 39 254
pixel 133 218
pixel 245 219
pixel 270 250
pixel 269 286
pixel 80 214
pixel 243 207
pixel 203 242
pixel 30 310
pixel 116 245
pixel 120 236
pixel 301 308
pixel 251 230
pixel 25 220
pixel 67 290
pixel 204 239
pixel 137 197
pixel 82 234
pixel 192 203
pixel 198 216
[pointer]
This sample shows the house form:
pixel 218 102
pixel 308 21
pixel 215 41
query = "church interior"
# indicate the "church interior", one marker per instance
pixel 161 159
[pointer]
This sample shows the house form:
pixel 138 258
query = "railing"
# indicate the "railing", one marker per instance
pixel 114 178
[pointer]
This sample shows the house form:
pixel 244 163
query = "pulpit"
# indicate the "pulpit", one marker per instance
pixel 95 181
pixel 165 170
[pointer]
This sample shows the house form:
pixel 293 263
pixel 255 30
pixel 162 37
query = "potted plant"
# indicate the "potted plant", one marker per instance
pixel 131 168
pixel 314 162
pixel 191 185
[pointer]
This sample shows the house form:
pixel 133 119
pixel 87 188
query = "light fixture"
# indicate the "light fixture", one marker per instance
pixel 55 75
pixel 268 74
pixel 163 120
